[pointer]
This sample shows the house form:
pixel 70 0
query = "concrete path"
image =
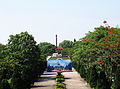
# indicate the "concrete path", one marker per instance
pixel 47 81
pixel 72 81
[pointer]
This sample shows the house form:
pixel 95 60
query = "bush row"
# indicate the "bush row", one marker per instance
pixel 97 57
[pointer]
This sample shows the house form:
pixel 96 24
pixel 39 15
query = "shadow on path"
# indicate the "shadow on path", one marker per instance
pixel 46 81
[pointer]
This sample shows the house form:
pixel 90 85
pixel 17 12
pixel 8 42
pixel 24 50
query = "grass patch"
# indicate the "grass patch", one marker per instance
pixel 55 58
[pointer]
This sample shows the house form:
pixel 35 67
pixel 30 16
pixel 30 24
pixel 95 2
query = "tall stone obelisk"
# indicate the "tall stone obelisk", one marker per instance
pixel 56 41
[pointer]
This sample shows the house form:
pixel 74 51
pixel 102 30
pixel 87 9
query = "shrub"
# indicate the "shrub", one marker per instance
pixel 102 82
pixel 60 85
pixel 117 79
pixel 82 71
pixel 93 77
pixel 59 82
pixel 4 84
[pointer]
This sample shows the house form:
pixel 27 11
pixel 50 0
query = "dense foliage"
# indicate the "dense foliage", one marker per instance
pixel 66 44
pixel 46 49
pixel 97 57
pixel 1 49
pixel 20 63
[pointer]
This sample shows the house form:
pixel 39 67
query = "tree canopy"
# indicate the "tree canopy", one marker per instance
pixel 21 63
pixel 66 44
pixel 46 49
pixel 101 49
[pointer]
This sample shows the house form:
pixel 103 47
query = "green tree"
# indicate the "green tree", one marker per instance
pixel 23 46
pixel 1 49
pixel 102 82
pixel 66 44
pixel 93 77
pixel 23 56
pixel 83 71
pixel 4 84
pixel 95 49
pixel 46 49
pixel 117 79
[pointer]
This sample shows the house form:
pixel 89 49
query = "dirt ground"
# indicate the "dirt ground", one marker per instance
pixel 72 81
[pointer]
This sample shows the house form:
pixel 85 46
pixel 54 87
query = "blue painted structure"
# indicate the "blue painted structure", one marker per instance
pixel 62 65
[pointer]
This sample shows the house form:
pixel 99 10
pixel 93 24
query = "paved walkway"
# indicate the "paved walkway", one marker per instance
pixel 47 81
pixel 72 81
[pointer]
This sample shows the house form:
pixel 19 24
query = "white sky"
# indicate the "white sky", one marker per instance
pixel 45 18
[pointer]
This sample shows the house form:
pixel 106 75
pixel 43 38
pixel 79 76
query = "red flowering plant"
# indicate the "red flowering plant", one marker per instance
pixel 103 61
pixel 110 36
pixel 100 61
pixel 85 40
pixel 110 43
pixel 107 39
pixel 101 48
